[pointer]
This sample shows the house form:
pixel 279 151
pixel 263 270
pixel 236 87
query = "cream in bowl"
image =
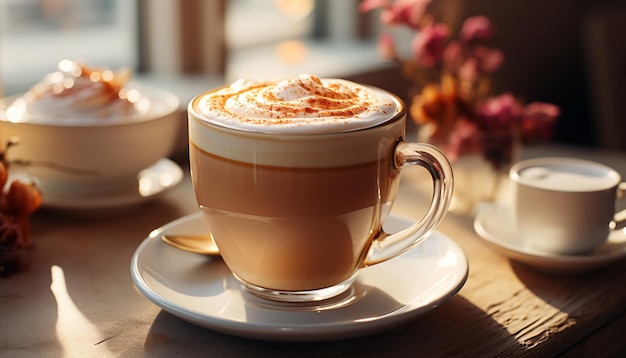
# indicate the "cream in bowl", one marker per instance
pixel 88 130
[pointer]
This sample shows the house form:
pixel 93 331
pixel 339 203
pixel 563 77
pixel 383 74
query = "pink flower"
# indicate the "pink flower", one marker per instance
pixel 476 28
pixel 407 12
pixel 465 139
pixel 497 119
pixel 538 121
pixel 489 59
pixel 369 5
pixel 453 56
pixel 499 113
pixel 482 61
pixel 469 70
pixel 386 46
pixel 428 44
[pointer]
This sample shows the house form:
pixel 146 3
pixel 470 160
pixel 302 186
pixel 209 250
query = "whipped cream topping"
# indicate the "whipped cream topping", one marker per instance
pixel 298 105
pixel 77 93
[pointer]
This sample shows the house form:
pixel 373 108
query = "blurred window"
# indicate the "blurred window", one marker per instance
pixel 251 23
pixel 274 38
pixel 36 34
pixel 173 37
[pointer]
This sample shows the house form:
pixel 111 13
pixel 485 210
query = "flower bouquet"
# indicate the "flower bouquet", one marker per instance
pixel 451 70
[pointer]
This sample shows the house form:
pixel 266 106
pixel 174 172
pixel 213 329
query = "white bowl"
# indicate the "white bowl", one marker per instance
pixel 93 156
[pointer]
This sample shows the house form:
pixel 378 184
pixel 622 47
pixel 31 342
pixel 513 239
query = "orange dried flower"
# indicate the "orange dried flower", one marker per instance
pixel 440 105
pixel 16 205
pixel 4 175
pixel 23 199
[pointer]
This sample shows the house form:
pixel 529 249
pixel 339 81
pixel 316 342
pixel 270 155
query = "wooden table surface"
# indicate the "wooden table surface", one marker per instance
pixel 92 308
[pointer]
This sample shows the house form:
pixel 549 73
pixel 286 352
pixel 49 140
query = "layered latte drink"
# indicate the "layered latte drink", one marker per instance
pixel 295 177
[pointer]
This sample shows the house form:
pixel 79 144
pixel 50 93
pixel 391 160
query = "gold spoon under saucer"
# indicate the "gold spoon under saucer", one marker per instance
pixel 199 244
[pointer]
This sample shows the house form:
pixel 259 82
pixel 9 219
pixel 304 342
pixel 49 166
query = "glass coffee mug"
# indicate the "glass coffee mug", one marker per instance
pixel 295 179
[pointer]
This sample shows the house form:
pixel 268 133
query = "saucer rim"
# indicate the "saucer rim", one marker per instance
pixel 556 263
pixel 298 332
pixel 130 197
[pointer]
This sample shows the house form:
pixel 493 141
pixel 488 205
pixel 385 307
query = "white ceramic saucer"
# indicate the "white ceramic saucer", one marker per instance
pixel 202 291
pixel 152 181
pixel 495 224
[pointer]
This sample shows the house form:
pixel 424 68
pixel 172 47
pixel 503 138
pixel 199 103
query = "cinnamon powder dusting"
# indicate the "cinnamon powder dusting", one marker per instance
pixel 303 102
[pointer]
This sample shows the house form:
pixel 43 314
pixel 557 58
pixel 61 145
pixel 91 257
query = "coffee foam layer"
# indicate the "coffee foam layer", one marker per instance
pixel 305 104
pixel 311 151
pixel 295 150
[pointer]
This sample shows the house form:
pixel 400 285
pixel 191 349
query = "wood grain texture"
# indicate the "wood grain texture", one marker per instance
pixel 504 309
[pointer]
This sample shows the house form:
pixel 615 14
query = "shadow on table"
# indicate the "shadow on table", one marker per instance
pixel 588 302
pixel 468 330
pixel 569 293
pixel 88 254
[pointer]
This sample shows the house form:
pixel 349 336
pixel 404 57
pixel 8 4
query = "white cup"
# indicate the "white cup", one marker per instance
pixel 564 205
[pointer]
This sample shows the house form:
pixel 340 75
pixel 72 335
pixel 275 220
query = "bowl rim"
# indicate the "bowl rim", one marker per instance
pixel 171 101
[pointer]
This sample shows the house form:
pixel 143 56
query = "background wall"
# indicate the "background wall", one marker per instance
pixel 554 53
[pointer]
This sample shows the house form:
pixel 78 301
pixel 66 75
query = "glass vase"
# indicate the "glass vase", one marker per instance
pixel 480 176
pixel 476 182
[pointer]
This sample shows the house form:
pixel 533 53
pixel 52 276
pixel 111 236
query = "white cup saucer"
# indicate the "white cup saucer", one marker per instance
pixel 495 225
pixel 202 291
pixel 149 183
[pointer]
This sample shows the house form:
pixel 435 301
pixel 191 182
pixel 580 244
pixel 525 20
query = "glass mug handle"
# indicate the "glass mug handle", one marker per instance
pixel 386 246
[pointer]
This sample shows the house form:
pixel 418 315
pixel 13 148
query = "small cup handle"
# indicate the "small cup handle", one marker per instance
pixel 386 246
pixel 619 220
